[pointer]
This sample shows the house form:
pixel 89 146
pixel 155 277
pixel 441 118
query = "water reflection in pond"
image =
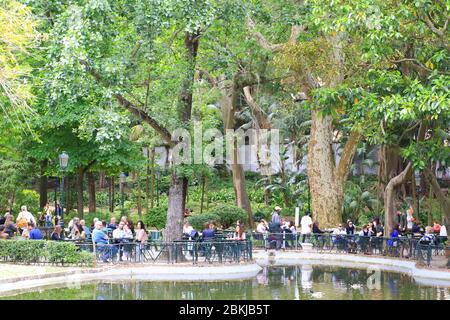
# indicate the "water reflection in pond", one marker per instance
pixel 302 282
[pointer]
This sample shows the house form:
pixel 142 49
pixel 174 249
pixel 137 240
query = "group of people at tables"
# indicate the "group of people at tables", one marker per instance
pixel 405 225
pixel 210 232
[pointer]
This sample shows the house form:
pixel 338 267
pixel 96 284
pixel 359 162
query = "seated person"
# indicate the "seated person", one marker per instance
pixel 3 234
pixel 350 228
pixel 428 236
pixel 189 231
pixel 87 231
pixel 394 234
pixel 262 227
pixel 34 233
pixel 316 229
pixel 417 227
pixel 10 226
pixel 112 224
pixel 209 232
pixel 338 234
pixel 56 234
pixel 101 240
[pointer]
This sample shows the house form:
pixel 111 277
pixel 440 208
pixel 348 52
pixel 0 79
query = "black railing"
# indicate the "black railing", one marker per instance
pixel 402 247
pixel 216 251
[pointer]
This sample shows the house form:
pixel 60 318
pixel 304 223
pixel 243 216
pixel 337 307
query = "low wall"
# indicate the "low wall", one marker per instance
pixel 143 273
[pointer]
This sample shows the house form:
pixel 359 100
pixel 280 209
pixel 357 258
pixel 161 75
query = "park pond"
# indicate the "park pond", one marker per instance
pixel 301 282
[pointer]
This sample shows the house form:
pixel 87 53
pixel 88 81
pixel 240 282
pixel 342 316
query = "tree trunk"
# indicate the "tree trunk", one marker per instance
pixel 91 183
pixel 139 195
pixel 178 187
pixel 326 194
pixel 389 166
pixel 242 199
pixel 389 195
pixel 389 198
pixel 229 106
pixel 43 185
pixel 326 180
pixel 202 200
pixel 415 201
pixel 440 196
pixel 152 179
pixel 110 188
pixel 80 204
pixel 68 193
pixel 113 191
pixel 175 212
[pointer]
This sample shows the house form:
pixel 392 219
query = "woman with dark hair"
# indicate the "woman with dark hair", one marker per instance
pixel 130 224
pixel 141 238
pixel 240 232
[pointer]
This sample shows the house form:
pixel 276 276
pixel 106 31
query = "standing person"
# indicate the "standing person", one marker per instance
pixel 409 220
pixel 141 238
pixel 48 216
pixel 58 211
pixel 276 219
pixel 401 218
pixel 23 215
pixel 306 226
pixel 275 228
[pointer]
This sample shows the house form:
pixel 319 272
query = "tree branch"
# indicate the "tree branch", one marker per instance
pixel 165 134
pixel 263 42
pixel 258 113
pixel 347 155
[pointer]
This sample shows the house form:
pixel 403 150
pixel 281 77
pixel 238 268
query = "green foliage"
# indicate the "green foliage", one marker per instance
pixel 67 253
pixel 39 251
pixel 198 221
pixel 29 198
pixel 156 217
pixel 228 215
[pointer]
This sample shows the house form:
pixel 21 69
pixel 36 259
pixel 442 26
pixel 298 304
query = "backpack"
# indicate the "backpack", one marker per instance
pixel 22 223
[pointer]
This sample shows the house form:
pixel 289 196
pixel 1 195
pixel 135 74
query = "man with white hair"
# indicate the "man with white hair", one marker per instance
pixel 101 240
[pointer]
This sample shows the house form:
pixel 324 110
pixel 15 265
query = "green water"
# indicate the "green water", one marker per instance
pixel 302 282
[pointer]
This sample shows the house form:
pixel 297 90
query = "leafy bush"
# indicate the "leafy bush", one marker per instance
pixel 199 220
pixel 29 198
pixel 156 217
pixel 263 213
pixel 34 251
pixel 228 215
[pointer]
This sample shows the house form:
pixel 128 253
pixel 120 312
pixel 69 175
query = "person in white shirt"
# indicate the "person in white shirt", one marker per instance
pixel 262 227
pixel 443 231
pixel 305 226
pixel 25 214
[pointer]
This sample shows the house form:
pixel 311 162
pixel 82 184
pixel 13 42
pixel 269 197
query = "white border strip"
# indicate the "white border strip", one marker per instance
pixel 144 273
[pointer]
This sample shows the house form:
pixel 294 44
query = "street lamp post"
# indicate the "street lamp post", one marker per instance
pixel 63 163
pixel 123 180
pixel 309 195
